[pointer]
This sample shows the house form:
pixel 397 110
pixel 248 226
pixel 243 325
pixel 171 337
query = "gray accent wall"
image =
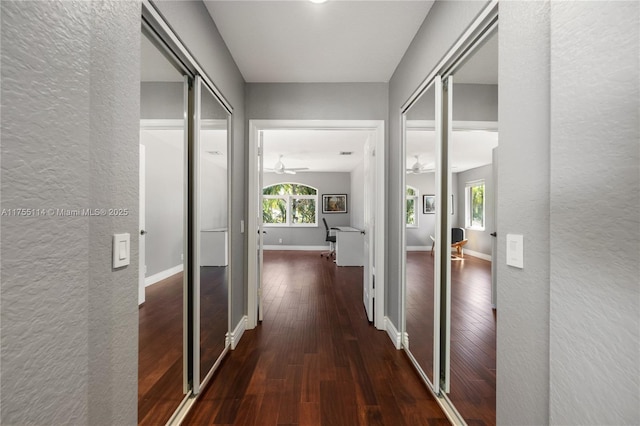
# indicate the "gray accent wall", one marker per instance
pixel 70 127
pixel 595 214
pixel 326 183
pixel 193 24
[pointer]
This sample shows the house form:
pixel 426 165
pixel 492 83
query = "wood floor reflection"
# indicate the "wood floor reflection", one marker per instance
pixel 160 350
pixel 473 331
pixel 315 359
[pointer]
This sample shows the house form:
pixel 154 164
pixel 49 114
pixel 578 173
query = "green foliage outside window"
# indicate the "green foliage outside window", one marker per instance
pixel 412 197
pixel 289 204
pixel 477 206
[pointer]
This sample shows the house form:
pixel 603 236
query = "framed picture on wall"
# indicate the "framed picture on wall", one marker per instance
pixel 429 204
pixel 334 203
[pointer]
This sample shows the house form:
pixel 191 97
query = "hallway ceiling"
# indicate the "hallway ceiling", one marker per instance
pixel 299 41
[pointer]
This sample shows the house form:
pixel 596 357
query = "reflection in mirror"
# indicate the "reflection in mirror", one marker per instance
pixel 473 321
pixel 214 233
pixel 420 230
pixel 161 237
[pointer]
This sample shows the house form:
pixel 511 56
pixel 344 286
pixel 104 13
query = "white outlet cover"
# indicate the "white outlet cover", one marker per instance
pixel 121 250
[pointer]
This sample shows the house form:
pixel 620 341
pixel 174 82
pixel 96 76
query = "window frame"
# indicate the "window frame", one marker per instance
pixel 416 200
pixel 468 205
pixel 289 199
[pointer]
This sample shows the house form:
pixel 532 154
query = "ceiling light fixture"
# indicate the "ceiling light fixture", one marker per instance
pixel 318 1
pixel 346 152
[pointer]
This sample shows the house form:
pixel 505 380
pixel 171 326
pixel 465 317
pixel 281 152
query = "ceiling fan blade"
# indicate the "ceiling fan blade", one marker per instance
pixel 297 169
pixel 289 171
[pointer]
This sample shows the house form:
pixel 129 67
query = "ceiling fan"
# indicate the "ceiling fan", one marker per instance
pixel 279 168
pixel 418 167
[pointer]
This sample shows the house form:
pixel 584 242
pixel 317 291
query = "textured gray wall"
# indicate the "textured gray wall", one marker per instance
pixel 479 241
pixel 164 204
pixel 595 213
pixel 523 208
pixel 317 101
pixel 70 128
pixel 326 183
pixel 193 24
pixel 445 22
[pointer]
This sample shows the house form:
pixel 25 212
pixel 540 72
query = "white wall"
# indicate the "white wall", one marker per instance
pixel 70 127
pixel 213 195
pixel 326 183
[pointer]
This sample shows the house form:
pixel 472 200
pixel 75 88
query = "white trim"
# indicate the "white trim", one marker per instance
pixel 163 275
pixel 489 126
pixel 477 254
pixel 297 248
pixel 236 334
pixel 393 333
pixel 179 124
pixel 418 248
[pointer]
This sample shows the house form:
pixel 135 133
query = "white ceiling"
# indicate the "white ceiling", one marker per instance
pixel 299 41
pixel 470 148
pixel 319 150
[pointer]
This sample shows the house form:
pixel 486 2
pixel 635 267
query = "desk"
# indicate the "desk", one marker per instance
pixel 349 246
pixel 213 247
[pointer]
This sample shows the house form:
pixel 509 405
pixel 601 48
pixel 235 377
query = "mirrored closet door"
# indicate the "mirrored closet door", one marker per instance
pixel 422 129
pixel 162 373
pixel 210 232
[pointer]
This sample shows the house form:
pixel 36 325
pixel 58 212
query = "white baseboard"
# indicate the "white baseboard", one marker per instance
pixel 162 275
pixel 466 251
pixel 297 248
pixel 418 248
pixel 236 334
pixel 477 254
pixel 393 333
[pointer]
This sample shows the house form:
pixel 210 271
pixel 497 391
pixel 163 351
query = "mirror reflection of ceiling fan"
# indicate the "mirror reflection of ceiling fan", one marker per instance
pixel 418 167
pixel 279 168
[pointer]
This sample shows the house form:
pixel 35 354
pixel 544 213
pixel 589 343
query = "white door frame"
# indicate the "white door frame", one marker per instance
pixel 378 130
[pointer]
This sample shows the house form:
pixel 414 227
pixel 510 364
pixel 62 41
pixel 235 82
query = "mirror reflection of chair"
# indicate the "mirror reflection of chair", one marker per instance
pixel 331 239
pixel 457 242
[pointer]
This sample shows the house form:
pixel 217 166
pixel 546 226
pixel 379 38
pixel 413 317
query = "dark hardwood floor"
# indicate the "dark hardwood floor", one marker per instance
pixel 160 352
pixel 315 360
pixel 473 332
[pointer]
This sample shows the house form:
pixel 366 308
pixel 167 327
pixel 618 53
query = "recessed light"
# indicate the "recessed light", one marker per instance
pixel 346 152
pixel 214 152
pixel 318 1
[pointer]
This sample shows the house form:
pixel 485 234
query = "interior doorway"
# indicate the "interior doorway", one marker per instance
pixel 372 211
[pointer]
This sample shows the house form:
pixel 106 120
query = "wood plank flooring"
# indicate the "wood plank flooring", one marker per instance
pixel 315 360
pixel 160 352
pixel 473 332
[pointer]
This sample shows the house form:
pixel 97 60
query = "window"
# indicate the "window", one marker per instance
pixel 290 204
pixel 474 205
pixel 412 207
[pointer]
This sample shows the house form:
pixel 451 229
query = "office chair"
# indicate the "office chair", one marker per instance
pixel 331 239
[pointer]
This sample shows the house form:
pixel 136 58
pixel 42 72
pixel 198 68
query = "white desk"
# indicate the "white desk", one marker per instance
pixel 349 246
pixel 213 247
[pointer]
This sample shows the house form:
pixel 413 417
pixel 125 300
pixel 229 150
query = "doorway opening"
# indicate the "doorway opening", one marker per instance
pixel 347 182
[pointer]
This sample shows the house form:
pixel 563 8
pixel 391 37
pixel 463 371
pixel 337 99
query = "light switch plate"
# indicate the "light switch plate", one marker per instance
pixel 515 250
pixel 121 250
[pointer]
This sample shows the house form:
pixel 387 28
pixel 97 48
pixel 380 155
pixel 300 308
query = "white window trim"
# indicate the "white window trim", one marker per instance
pixel 467 205
pixel 416 206
pixel 288 198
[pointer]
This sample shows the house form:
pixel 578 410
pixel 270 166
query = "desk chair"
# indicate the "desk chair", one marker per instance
pixel 331 239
